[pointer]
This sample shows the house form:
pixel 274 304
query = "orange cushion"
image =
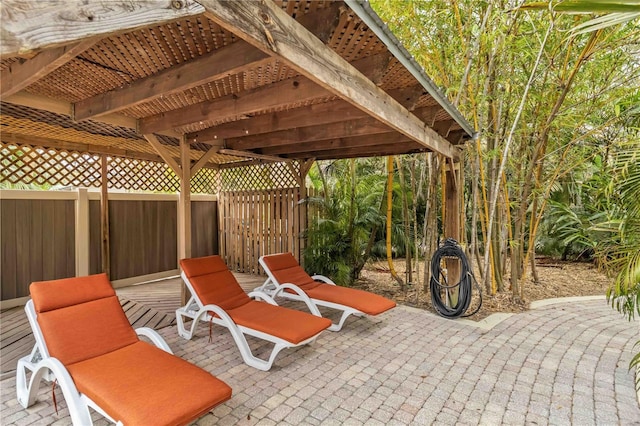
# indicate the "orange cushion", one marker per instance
pixel 364 301
pixel 285 269
pixel 143 385
pixel 288 324
pixel 83 331
pixel 50 295
pixel 213 282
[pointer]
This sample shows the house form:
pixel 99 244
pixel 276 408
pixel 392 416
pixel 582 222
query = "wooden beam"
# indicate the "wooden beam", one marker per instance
pixel 408 97
pixel 442 127
pixel 316 114
pixel 232 59
pixel 363 126
pixel 375 67
pixel 22 74
pixel 19 139
pixel 204 160
pixel 276 95
pixel 29 25
pixel 66 108
pixel 428 114
pixel 248 154
pixel 408 147
pixel 456 137
pixel 236 164
pixel 161 150
pixel 337 143
pixel 269 28
pixel 251 101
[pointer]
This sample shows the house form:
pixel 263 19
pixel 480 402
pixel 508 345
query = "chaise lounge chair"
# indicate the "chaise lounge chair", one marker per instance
pixel 217 297
pixel 85 342
pixel 286 278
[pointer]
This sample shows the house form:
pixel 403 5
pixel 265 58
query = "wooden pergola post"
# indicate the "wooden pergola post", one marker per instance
pixel 184 208
pixel 104 215
pixel 301 177
pixel 452 227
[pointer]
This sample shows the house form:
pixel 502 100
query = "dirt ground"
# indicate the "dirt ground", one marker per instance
pixel 557 279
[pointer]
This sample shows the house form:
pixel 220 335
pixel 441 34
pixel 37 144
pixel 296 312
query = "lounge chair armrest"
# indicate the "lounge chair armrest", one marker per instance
pixel 324 279
pixel 297 290
pixel 155 338
pixel 218 311
pixel 261 295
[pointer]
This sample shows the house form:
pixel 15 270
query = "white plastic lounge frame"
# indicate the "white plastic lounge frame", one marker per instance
pixel 44 367
pixel 282 266
pixel 196 311
pixel 275 289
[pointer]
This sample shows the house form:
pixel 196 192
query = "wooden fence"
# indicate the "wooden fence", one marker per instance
pixel 56 234
pixel 255 223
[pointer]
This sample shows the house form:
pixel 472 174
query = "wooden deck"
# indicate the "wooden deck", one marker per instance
pixel 146 305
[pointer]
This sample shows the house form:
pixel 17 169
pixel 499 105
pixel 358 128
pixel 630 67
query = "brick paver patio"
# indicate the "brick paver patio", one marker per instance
pixel 561 364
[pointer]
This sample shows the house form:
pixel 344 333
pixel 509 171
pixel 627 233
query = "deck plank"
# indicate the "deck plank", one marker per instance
pixel 150 305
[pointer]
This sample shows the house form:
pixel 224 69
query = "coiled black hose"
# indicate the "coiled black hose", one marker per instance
pixel 451 249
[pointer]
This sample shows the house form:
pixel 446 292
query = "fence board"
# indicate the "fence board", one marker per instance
pixel 204 228
pixel 38 243
pixel 143 237
pixel 254 223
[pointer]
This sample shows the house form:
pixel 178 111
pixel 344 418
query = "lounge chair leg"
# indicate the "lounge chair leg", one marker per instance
pixel 27 393
pixel 182 331
pixel 343 318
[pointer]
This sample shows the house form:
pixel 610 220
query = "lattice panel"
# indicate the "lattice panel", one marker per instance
pixel 206 181
pixel 48 167
pixel 30 164
pixel 137 175
pixel 259 176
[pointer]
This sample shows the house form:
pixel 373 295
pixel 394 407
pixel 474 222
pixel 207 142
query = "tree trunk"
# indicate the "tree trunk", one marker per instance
pixel 392 269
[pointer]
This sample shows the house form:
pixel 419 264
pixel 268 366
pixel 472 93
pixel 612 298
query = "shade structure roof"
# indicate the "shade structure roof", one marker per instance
pixel 241 81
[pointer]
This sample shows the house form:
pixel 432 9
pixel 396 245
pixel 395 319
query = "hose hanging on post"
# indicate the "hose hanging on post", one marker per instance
pixel 451 249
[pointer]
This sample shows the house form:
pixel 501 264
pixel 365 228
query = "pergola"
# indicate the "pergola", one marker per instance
pixel 214 85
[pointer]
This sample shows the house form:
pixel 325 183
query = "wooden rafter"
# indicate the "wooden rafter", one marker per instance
pixel 272 30
pixel 408 97
pixel 248 102
pixel 316 114
pixel 32 25
pixel 456 136
pixel 65 108
pixel 22 74
pixel 162 151
pixel 364 143
pixel 249 154
pixel 380 150
pixel 276 95
pixel 232 59
pixel 8 137
pixel 362 126
pixel 427 114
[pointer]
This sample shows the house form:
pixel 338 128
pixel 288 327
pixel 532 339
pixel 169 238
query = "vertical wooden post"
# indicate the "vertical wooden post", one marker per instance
pixel 301 228
pixel 104 216
pixel 82 233
pixel 452 218
pixel 184 208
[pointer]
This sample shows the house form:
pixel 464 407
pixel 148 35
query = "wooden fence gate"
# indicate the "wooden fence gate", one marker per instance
pixel 255 223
